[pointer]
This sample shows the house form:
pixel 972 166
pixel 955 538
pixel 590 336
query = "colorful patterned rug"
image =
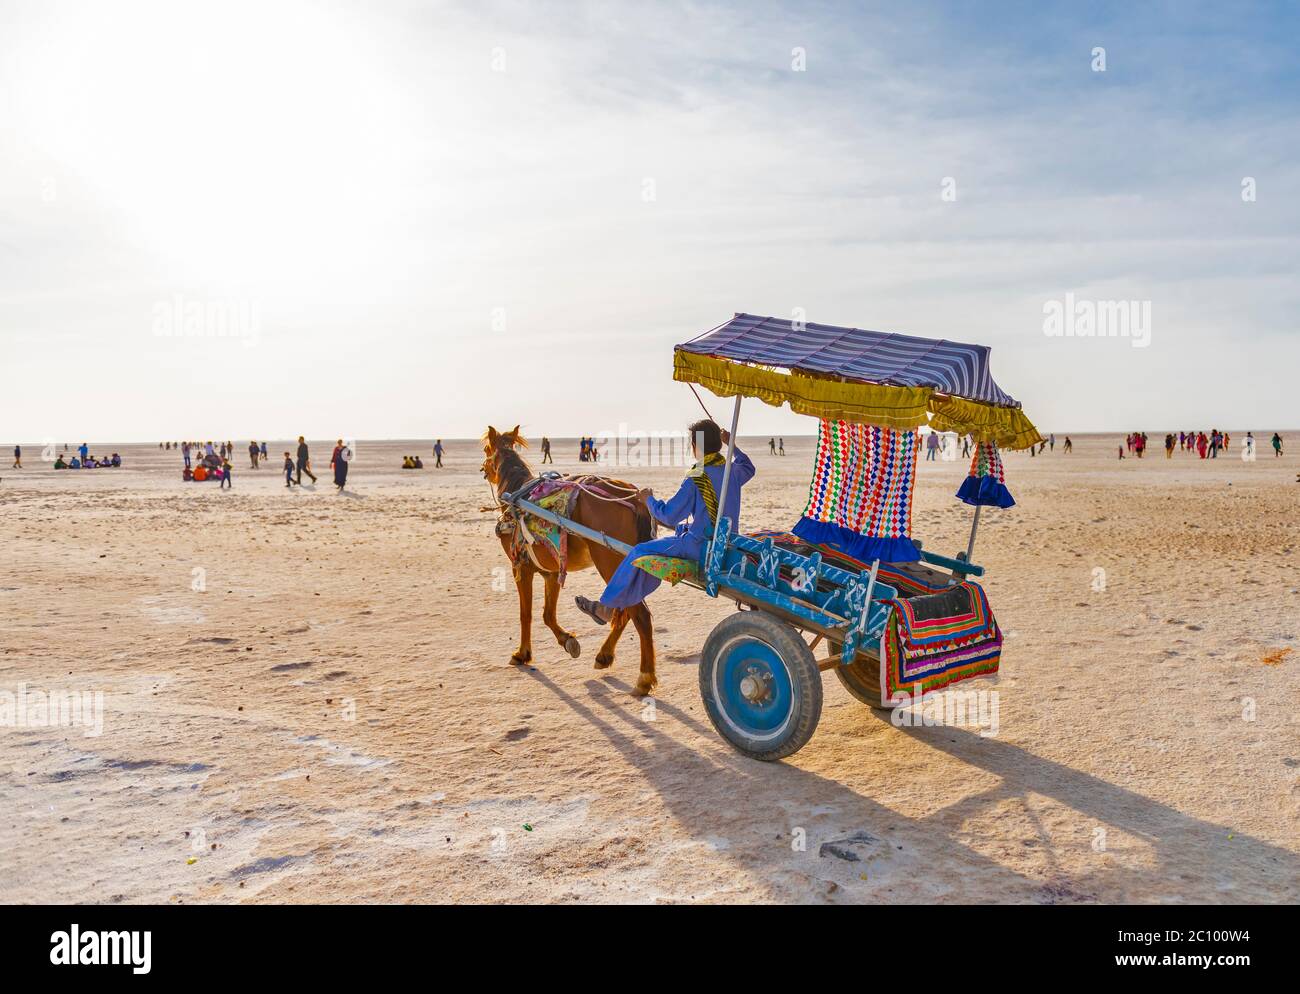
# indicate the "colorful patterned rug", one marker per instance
pixel 909 579
pixel 933 641
pixel 860 499
pixel 557 499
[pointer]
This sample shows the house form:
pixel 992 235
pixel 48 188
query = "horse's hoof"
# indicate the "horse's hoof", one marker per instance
pixel 603 662
pixel 521 658
pixel 572 647
pixel 644 687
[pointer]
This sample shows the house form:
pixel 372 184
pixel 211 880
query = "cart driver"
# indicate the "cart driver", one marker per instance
pixel 692 513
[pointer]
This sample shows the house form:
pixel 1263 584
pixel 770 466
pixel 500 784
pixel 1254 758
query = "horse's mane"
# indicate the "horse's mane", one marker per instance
pixel 514 471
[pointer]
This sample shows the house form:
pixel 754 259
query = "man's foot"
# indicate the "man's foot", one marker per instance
pixel 594 610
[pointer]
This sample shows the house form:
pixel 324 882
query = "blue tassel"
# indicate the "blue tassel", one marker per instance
pixel 985 491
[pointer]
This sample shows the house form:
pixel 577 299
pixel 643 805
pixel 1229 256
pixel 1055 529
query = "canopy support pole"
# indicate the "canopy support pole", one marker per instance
pixel 974 527
pixel 726 475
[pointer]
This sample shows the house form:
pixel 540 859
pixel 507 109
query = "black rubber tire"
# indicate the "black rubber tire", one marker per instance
pixel 805 682
pixel 862 679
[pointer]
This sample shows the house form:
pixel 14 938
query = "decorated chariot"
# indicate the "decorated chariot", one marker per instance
pixel 898 620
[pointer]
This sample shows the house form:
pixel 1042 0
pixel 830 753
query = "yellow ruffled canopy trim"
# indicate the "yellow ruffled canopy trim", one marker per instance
pixel 1007 426
pixel 899 408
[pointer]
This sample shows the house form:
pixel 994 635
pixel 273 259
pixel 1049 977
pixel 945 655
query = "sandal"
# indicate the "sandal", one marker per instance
pixel 588 607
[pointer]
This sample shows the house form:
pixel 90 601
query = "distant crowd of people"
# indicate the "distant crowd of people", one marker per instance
pixel 1207 445
pixel 82 459
pixel 211 461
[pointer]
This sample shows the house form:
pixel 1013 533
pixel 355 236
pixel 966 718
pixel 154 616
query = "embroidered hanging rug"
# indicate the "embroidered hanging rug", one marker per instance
pixel 986 484
pixel 860 499
pixel 937 640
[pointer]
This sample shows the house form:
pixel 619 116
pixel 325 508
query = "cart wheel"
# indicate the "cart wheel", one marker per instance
pixel 760 685
pixel 862 678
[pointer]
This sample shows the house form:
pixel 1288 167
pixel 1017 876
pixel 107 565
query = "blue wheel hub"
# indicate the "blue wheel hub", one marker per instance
pixel 752 688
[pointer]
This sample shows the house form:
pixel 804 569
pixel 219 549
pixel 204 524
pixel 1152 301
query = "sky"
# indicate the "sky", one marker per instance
pixel 410 220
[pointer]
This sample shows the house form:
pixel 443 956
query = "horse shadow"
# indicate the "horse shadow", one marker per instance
pixel 773 799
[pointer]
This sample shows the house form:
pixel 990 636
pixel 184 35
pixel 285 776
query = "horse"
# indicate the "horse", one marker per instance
pixel 597 505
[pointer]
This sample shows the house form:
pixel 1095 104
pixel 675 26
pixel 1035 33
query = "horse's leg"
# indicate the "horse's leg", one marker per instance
pixel 647 681
pixel 566 639
pixel 617 622
pixel 524 582
pixel 606 562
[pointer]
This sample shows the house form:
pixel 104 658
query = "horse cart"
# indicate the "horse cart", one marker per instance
pixel 898 621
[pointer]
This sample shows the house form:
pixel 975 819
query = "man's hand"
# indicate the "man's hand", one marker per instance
pixel 726 436
pixel 644 495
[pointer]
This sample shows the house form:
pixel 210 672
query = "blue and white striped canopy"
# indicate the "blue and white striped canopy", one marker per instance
pixel 953 368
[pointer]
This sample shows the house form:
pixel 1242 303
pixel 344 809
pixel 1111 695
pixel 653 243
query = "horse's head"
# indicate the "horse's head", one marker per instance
pixel 499 449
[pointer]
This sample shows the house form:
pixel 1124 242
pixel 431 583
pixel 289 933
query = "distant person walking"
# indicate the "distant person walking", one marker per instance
pixel 771 445
pixel 1277 445
pixel 437 454
pixel 931 446
pixel 546 450
pixel 780 446
pixel 227 474
pixel 185 453
pixel 18 457
pixel 253 453
pixel 1169 446
pixel 288 470
pixel 339 463
pixel 304 461
pixel 1067 447
pixel 1051 442
pixel 265 456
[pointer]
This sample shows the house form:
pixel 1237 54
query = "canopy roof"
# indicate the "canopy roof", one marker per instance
pixel 851 374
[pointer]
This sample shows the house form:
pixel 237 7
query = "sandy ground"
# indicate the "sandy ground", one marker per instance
pixel 307 698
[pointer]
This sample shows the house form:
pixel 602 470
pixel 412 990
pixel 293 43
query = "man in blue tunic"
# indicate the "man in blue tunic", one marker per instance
pixel 692 513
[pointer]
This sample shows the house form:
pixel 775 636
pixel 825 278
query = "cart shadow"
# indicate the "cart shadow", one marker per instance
pixel 1187 852
pixel 771 799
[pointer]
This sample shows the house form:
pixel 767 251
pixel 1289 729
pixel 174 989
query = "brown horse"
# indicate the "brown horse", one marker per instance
pixel 507 472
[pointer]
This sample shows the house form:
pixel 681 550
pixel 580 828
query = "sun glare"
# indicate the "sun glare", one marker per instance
pixel 229 142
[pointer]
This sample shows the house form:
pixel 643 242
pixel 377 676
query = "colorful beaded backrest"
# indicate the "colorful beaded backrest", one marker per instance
pixel 860 499
pixel 985 485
